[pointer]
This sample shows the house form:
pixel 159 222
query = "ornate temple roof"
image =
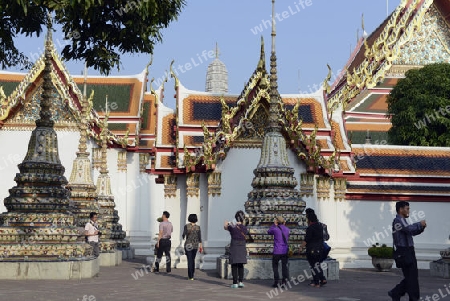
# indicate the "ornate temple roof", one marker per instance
pixel 126 100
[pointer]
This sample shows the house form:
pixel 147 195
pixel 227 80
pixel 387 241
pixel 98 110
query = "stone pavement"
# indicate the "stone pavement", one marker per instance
pixel 118 283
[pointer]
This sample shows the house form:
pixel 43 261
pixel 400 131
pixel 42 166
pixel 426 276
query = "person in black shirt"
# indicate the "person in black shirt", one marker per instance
pixel 314 248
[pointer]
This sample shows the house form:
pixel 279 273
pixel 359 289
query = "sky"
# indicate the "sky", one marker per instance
pixel 309 34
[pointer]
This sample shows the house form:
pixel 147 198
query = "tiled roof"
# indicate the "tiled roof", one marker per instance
pixel 339 138
pixel 310 110
pixel 401 164
pixel 207 108
pixel 404 188
pixel 9 82
pixel 381 127
pixel 165 162
pixel 359 137
pixel 344 165
pixel 146 143
pixel 166 129
pixel 193 140
pixel 123 94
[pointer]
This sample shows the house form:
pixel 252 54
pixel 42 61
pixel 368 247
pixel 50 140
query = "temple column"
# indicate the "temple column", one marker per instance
pixel 214 185
pixel 192 207
pixel 143 180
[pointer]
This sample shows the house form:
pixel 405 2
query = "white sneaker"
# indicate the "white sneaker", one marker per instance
pixel 241 284
pixel 234 286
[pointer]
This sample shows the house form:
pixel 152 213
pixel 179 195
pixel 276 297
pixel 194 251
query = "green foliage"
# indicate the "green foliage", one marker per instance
pixel 381 252
pixel 98 30
pixel 419 107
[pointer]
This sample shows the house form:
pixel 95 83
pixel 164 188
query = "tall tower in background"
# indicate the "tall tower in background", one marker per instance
pixel 217 76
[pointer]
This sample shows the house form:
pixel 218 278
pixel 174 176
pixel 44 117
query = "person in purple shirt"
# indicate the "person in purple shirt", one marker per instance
pixel 403 233
pixel 280 249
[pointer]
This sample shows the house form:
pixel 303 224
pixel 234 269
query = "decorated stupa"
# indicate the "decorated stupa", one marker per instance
pixel 39 225
pixel 112 234
pixel 81 184
pixel 274 193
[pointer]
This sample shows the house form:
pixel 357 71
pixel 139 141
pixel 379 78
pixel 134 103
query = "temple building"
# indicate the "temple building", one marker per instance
pixel 200 156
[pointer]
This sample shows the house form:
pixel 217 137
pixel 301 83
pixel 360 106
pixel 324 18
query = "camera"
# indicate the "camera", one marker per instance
pixel 99 233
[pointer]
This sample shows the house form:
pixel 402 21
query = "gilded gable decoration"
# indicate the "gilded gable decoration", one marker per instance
pixel 340 187
pixel 61 112
pixel 214 183
pixel 170 186
pixel 307 184
pixel 192 184
pixel 323 187
pixel 144 159
pixel 380 56
pixel 122 161
pixel 206 156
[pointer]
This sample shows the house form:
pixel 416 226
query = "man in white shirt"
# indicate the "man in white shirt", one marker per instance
pixel 92 233
pixel 164 244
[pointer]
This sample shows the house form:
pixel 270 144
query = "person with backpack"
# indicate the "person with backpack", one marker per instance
pixel 193 243
pixel 280 250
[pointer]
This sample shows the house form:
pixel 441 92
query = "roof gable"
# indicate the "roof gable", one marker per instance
pixel 430 44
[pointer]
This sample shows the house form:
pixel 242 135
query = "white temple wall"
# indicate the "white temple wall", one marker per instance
pixel 129 192
pixel 237 176
pixel 156 203
pixel 176 206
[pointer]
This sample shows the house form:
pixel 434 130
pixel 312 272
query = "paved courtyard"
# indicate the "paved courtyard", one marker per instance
pixel 118 283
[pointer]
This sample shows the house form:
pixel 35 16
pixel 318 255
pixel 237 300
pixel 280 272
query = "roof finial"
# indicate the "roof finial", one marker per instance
pixel 217 51
pixel 364 34
pixel 262 57
pixel 147 71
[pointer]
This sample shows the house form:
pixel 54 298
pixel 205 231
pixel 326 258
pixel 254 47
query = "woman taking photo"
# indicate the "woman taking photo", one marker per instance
pixel 193 243
pixel 238 249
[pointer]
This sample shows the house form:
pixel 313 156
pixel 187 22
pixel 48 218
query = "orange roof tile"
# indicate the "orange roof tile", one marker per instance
pixel 367 126
pixel 165 162
pixel 339 142
pixel 166 130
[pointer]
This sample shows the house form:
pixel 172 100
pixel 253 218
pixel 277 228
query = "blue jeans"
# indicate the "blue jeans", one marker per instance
pixel 191 261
